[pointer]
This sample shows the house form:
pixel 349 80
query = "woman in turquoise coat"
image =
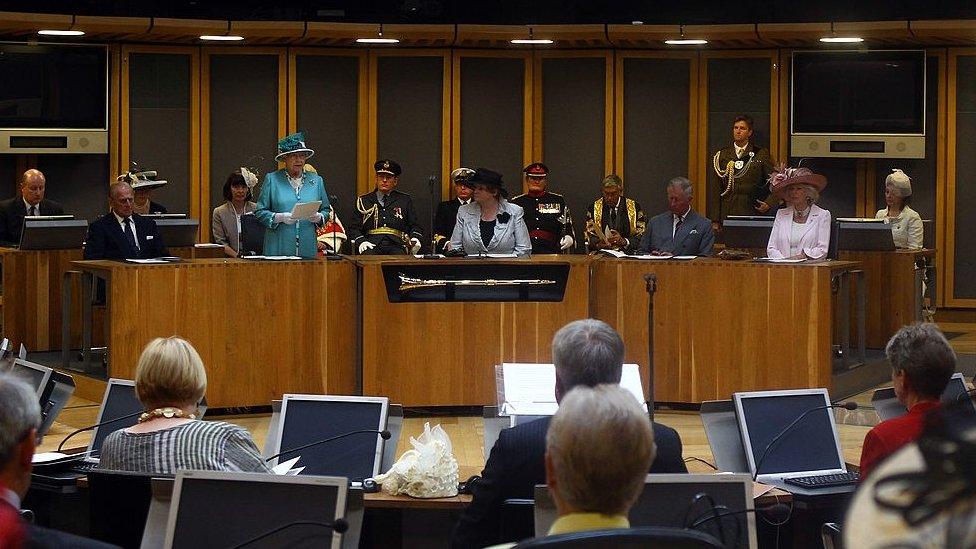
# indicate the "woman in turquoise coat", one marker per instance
pixel 280 192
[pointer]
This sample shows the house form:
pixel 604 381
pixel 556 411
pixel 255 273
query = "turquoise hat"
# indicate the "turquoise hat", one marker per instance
pixel 294 143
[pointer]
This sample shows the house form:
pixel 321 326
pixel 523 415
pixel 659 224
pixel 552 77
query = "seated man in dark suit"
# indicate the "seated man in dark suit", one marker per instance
pixel 585 352
pixel 31 202
pixel 121 234
pixel 20 416
pixel 679 231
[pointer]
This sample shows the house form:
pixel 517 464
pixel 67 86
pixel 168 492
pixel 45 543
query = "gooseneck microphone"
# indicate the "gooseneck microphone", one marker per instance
pixel 339 526
pixel 90 427
pixel 384 434
pixel 762 457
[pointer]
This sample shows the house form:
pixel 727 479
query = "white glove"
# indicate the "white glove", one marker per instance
pixel 414 245
pixel 317 218
pixel 447 246
pixel 566 242
pixel 285 218
pixel 367 245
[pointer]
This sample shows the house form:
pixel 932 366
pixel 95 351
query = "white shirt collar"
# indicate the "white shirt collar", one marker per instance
pixel 10 497
pixel 739 151
pixel 682 216
pixel 463 202
pixel 616 204
pixel 121 219
pixel 28 206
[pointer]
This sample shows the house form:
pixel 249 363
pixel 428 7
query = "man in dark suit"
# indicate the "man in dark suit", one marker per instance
pixel 447 211
pixel 680 230
pixel 30 202
pixel 121 234
pixel 585 352
pixel 20 417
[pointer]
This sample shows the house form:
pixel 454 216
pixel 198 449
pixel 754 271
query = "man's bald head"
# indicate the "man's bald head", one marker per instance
pixel 32 187
pixel 121 199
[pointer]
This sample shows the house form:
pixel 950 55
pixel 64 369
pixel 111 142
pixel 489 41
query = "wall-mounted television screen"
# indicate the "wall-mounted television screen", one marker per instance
pixel 879 92
pixel 48 86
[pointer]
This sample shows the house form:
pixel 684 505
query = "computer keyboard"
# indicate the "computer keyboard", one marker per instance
pixel 84 467
pixel 824 481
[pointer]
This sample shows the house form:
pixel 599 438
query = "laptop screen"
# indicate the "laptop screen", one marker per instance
pixel 120 401
pixel 310 418
pixel 229 509
pixel 811 445
pixel 34 374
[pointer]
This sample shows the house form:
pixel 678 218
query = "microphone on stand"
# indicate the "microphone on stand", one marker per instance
pixel 90 427
pixel 384 434
pixel 339 526
pixel 762 457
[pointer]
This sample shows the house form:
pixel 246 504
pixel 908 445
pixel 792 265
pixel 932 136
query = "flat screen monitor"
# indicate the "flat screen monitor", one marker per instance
pixel 675 501
pixel 178 232
pixel 35 375
pixel 838 92
pixel 53 86
pixel 221 509
pixel 120 404
pixel 810 447
pixel 311 418
pixel 722 430
pixel 53 234
pixel 886 404
pixel 854 234
pixel 747 232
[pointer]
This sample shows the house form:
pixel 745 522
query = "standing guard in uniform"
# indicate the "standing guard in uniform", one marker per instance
pixel 385 222
pixel 741 172
pixel 447 211
pixel 619 219
pixel 546 214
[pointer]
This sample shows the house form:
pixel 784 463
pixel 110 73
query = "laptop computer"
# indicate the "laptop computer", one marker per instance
pixel 35 375
pixel 53 388
pixel 311 418
pixel 223 509
pixel 675 501
pixel 722 431
pixel 119 403
pixel 886 404
pixel 810 448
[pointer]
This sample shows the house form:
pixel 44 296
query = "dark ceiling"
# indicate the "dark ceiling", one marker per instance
pixel 515 11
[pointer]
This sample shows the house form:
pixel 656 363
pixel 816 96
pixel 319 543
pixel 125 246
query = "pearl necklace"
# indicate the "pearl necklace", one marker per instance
pixel 167 412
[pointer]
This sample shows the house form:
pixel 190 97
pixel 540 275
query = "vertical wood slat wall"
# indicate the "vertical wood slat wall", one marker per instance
pixel 699 135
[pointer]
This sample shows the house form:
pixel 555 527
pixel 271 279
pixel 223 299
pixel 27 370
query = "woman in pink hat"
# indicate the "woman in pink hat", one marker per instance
pixel 801 229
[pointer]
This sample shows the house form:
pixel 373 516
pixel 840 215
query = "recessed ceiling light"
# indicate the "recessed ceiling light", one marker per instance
pixel 686 42
pixel 52 32
pixel 378 40
pixel 531 41
pixel 221 37
pixel 842 39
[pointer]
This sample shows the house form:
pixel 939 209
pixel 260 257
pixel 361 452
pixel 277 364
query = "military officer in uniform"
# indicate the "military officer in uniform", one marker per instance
pixel 447 211
pixel 385 222
pixel 614 221
pixel 741 172
pixel 546 214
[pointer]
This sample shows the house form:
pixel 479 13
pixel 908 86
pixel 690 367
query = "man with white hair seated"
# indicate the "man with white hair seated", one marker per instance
pixel 586 353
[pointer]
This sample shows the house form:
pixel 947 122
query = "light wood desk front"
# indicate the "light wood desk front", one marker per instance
pixel 32 285
pixel 262 328
pixel 444 353
pixel 722 326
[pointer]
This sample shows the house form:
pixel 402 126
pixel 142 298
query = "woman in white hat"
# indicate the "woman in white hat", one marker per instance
pixel 280 192
pixel 142 184
pixel 801 230
pixel 906 224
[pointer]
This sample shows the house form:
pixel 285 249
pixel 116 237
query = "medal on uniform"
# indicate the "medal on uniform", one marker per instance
pixel 397 212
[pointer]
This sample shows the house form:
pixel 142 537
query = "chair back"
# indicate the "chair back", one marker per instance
pixel 831 536
pixel 516 520
pixel 651 537
pixel 119 505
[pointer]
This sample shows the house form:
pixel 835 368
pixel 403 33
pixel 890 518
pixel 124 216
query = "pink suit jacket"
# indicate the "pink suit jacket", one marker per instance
pixel 815 239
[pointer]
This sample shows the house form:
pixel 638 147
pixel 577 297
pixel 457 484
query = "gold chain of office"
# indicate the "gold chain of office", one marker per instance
pixel 730 173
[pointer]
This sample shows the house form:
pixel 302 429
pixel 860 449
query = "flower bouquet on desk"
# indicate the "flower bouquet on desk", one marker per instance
pixel 429 470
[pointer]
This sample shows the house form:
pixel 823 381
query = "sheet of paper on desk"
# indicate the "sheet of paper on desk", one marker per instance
pixel 304 210
pixel 280 257
pixel 684 257
pixel 208 245
pixel 422 256
pixel 651 256
pixel 780 260
pixel 285 467
pixel 501 256
pixel 155 261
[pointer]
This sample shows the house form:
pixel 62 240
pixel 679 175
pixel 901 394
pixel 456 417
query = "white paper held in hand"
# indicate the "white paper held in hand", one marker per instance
pixel 305 210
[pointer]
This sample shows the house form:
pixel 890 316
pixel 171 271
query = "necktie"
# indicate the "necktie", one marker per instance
pixel 680 219
pixel 382 200
pixel 33 211
pixel 129 235
pixel 613 218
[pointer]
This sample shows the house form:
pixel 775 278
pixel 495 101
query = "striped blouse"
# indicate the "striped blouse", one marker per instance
pixel 197 445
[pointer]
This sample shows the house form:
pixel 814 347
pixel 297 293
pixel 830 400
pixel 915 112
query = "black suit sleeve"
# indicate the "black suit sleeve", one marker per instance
pixel 95 241
pixel 155 247
pixel 479 524
pixel 443 226
pixel 416 230
pixel 668 458
pixel 50 207
pixel 6 239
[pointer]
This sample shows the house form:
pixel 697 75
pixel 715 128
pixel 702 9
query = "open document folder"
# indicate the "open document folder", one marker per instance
pixel 530 389
pixel 305 210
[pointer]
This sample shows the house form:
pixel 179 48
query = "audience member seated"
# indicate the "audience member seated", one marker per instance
pixel 30 202
pixel 20 416
pixel 924 495
pixel 921 364
pixel 170 381
pixel 585 352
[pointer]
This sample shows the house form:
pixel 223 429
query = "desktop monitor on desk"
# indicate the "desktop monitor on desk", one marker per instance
pixel 860 235
pixel 178 232
pixel 887 406
pixel 53 389
pixel 747 231
pixel 54 232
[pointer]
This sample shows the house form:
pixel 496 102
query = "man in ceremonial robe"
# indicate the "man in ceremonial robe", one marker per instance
pixel 741 174
pixel 546 213
pixel 385 222
pixel 617 218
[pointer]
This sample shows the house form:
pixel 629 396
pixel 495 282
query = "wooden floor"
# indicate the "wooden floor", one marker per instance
pixel 467 432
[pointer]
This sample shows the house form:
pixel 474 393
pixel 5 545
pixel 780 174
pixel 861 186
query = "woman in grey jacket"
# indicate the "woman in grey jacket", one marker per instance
pixel 490 224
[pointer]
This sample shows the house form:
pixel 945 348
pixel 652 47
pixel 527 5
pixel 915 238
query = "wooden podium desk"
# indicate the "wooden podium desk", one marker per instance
pixel 444 353
pixel 263 328
pixel 722 326
pixel 32 283
pixel 892 300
